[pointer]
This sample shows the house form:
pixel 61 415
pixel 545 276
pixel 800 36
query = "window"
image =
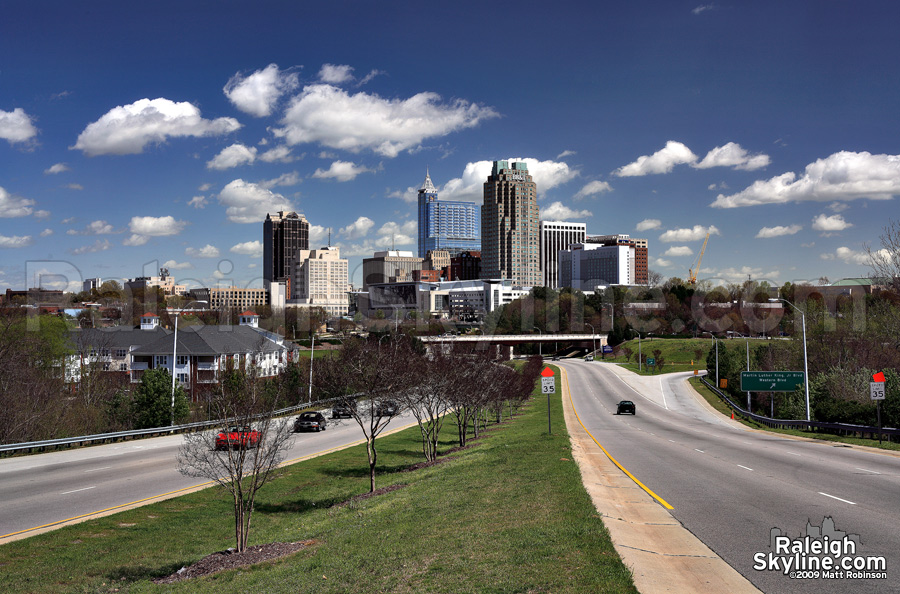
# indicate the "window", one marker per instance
pixel 182 377
pixel 160 360
pixel 121 352
pixel 182 359
pixel 123 367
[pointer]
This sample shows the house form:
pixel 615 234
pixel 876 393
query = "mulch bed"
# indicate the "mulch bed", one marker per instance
pixel 232 560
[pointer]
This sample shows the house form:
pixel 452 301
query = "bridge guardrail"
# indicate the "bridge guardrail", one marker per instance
pixel 845 428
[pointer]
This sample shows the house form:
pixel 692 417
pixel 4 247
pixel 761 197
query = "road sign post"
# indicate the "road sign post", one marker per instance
pixel 876 393
pixel 548 386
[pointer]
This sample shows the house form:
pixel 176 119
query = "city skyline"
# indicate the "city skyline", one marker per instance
pixel 132 141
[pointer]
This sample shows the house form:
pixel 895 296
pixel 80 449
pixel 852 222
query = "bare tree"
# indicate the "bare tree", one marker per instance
pixel 249 459
pixel 367 377
pixel 885 263
pixel 428 399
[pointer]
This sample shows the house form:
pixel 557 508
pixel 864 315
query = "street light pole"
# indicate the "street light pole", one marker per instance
pixel 805 359
pixel 174 352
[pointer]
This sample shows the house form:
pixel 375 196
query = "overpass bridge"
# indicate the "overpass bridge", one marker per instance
pixel 484 341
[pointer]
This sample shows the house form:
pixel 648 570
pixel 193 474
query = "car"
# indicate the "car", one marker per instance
pixel 624 407
pixel 554 358
pixel 387 408
pixel 310 421
pixel 237 438
pixel 589 358
pixel 342 410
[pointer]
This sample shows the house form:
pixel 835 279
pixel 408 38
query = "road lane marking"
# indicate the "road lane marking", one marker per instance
pixel 838 498
pixel 96 469
pixel 672 440
pixel 793 454
pixel 77 490
pixel 745 467
pixel 701 451
pixel 864 470
pixel 565 384
pixel 662 392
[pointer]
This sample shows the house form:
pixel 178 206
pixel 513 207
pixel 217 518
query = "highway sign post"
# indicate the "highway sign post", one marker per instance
pixel 548 386
pixel 876 393
pixel 771 381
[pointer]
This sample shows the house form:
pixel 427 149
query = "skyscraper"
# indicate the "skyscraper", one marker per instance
pixel 555 236
pixel 449 225
pixel 283 234
pixel 509 226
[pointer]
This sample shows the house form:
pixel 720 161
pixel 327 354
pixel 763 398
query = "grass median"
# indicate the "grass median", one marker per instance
pixel 508 514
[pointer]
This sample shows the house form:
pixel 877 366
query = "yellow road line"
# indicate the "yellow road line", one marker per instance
pixel 663 502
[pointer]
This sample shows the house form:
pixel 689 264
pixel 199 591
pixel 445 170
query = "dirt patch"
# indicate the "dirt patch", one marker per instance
pixel 231 560
pixel 374 493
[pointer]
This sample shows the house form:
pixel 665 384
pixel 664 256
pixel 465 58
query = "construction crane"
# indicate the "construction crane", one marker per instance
pixel 692 272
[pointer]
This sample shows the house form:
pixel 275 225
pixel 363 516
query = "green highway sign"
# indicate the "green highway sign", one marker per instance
pixel 771 381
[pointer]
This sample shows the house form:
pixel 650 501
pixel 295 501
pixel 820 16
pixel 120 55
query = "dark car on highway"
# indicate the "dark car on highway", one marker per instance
pixel 387 408
pixel 625 407
pixel 343 410
pixel 310 421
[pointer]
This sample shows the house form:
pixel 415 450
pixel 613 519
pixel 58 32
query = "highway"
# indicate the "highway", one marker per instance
pixel 730 486
pixel 45 491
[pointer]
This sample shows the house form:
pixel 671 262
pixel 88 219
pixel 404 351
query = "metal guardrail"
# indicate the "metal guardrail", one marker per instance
pixel 844 428
pixel 45 445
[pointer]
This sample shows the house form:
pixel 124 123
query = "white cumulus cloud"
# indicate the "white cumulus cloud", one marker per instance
pixel 680 250
pixel 733 155
pixel 842 176
pixel 94 228
pixel 233 156
pixel 648 224
pixel 285 179
pixel 396 234
pixel 207 251
pixel 143 228
pixel 16 126
pixel 16 241
pixel 778 231
pixel 198 202
pixel 14 206
pixel 662 161
pixel 248 248
pixel 341 171
pixel 247 202
pixel 830 224
pixel 593 188
pixel 258 93
pixel 126 130
pixel 173 265
pixel 335 74
pixel 279 154
pixel 695 233
pixel 56 168
pixel 336 119
pixel 852 256
pixel 359 228
pixel 101 245
pixel 557 211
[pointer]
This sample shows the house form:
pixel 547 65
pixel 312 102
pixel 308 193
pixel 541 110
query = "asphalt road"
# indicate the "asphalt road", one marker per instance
pixel 46 490
pixel 731 486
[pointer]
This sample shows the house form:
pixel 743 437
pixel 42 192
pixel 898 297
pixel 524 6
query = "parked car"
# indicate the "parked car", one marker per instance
pixel 343 410
pixel 625 407
pixel 310 421
pixel 387 408
pixel 237 438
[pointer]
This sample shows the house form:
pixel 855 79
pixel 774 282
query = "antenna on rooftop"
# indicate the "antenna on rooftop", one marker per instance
pixel 329 237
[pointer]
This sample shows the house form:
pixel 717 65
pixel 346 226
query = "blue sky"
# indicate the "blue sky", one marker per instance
pixel 138 136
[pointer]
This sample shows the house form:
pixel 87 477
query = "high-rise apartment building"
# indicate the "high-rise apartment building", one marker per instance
pixel 448 225
pixel 556 236
pixel 284 233
pixel 509 226
pixel 321 280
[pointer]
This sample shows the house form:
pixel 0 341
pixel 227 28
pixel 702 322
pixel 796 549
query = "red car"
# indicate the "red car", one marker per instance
pixel 237 438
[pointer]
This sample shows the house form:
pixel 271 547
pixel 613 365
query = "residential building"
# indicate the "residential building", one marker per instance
pixel 321 279
pixel 390 266
pixel 509 226
pixel 449 225
pixel 556 236
pixel 284 233
pixel 586 266
pixel 111 348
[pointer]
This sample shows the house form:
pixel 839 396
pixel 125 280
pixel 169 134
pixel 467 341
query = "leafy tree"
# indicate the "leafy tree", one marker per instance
pixel 152 404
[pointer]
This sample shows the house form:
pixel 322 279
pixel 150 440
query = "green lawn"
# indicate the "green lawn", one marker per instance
pixel 507 515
